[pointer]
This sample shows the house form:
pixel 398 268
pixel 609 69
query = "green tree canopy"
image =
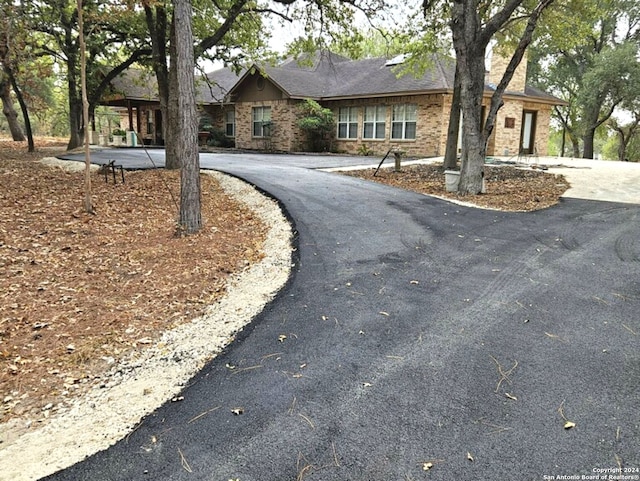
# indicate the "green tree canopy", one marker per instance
pixel 595 68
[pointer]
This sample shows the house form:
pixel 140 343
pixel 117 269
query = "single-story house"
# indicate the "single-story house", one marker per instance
pixel 375 109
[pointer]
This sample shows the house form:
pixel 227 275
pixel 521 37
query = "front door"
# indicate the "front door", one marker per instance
pixel 528 134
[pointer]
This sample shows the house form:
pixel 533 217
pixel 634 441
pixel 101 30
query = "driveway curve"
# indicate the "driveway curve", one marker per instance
pixel 417 339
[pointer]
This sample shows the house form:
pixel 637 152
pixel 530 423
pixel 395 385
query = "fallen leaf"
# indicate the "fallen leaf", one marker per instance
pixel 427 466
pixel 569 425
pixel 469 457
pixel 237 411
pixel 281 337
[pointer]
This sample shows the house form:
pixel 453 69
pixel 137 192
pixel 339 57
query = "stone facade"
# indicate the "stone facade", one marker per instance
pixel 499 65
pixel 285 135
pixel 505 139
pixel 431 126
pixel 429 138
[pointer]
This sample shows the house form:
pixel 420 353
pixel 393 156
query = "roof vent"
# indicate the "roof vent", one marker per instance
pixel 397 60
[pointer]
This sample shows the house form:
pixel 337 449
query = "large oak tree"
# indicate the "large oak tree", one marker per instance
pixel 473 25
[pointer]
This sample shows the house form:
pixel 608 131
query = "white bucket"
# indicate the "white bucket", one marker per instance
pixel 451 180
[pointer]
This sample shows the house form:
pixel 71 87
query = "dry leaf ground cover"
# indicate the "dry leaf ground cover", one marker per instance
pixel 507 187
pixel 78 291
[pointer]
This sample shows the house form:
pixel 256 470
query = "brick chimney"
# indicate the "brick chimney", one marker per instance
pixel 499 64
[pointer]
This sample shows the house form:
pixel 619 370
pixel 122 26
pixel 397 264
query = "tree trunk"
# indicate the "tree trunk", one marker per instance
pixel 75 105
pixel 75 99
pixel 186 142
pixel 575 144
pixel 471 36
pixel 470 50
pixel 75 124
pixel 88 206
pixel 588 143
pixel 9 112
pixel 470 65
pixel 23 108
pixel 622 145
pixel 451 152
pixel 156 18
pixel 174 125
pixel 474 147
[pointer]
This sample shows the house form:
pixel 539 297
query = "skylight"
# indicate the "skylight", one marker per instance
pixel 397 60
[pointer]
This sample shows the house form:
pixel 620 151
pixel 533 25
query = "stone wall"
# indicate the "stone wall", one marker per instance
pixel 505 139
pixel 285 134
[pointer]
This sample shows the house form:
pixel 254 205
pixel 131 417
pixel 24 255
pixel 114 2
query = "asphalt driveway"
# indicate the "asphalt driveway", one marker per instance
pixel 425 340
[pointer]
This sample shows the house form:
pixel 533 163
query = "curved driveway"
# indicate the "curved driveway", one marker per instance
pixel 419 335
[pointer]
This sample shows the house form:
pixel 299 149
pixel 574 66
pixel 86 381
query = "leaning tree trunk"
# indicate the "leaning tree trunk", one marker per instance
pixel 9 112
pixel 186 140
pixel 23 108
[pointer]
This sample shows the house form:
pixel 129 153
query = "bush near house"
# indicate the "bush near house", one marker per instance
pixel 318 124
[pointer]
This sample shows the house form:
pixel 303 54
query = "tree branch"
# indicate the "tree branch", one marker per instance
pixel 98 91
pixel 525 40
pixel 496 22
pixel 230 17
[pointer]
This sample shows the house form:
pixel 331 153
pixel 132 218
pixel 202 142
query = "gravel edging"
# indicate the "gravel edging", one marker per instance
pixel 145 380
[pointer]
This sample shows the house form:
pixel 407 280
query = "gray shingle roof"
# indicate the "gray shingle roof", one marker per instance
pixel 323 76
pixel 142 85
pixel 331 76
pixel 136 84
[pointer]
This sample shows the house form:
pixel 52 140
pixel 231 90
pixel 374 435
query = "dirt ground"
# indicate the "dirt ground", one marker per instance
pixel 507 187
pixel 79 291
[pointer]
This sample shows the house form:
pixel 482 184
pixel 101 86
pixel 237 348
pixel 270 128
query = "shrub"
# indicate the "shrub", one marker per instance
pixel 318 124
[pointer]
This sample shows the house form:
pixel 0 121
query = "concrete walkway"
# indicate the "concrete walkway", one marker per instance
pixel 609 181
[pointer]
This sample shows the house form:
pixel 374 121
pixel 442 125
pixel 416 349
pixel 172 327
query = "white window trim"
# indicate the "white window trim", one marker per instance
pixel 261 120
pixel 375 122
pixel 232 123
pixel 404 121
pixel 352 118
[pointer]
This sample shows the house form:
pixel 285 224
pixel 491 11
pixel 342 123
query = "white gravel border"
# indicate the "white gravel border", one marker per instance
pixel 146 380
